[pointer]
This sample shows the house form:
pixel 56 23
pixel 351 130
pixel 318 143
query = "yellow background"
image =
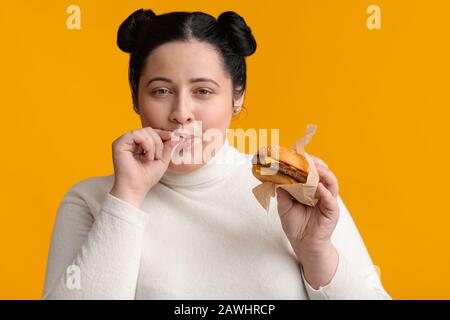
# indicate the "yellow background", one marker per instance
pixel 380 99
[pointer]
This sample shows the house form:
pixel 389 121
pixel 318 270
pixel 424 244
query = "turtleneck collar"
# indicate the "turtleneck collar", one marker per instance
pixel 218 167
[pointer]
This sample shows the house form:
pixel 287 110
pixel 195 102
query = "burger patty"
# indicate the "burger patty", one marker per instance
pixel 284 169
pixel 289 172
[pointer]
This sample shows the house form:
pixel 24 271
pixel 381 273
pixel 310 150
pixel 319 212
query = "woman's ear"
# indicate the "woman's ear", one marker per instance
pixel 238 102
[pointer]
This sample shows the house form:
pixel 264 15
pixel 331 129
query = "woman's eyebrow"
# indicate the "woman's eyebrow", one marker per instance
pixel 204 80
pixel 191 80
pixel 159 79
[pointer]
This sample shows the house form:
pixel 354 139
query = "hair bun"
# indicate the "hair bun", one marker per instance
pixel 130 29
pixel 240 35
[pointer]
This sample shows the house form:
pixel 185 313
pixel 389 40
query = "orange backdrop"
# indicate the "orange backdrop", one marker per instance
pixel 379 97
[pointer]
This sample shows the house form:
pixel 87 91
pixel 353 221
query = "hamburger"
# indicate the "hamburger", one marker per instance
pixel 280 165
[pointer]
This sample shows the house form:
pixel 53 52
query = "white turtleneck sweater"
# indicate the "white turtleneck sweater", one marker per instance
pixel 200 235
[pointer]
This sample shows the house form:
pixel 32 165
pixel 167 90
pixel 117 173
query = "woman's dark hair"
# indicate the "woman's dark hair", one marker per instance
pixel 143 31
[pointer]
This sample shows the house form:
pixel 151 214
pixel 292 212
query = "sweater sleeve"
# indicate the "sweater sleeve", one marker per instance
pixel 356 277
pixel 95 258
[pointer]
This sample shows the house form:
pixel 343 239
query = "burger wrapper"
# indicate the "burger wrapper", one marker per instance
pixel 302 192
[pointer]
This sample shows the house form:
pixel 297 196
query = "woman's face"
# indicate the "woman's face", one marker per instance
pixel 183 85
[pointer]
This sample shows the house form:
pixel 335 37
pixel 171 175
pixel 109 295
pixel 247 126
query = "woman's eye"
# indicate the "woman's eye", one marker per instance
pixel 204 92
pixel 161 91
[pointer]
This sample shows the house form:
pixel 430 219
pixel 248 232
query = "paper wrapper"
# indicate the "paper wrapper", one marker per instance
pixel 302 192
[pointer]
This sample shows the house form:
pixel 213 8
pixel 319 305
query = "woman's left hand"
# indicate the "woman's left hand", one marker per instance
pixel 309 229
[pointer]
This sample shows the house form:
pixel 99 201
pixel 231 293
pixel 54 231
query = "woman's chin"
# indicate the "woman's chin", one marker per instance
pixel 183 167
pixel 187 158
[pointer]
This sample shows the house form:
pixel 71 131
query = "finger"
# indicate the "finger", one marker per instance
pixel 169 147
pixel 159 146
pixel 327 203
pixel 149 145
pixel 284 201
pixel 319 161
pixel 164 134
pixel 328 179
pixel 146 142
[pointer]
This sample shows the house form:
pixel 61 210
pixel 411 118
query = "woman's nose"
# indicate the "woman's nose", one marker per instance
pixel 182 112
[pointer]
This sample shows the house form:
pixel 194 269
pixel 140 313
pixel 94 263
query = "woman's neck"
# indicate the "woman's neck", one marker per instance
pixel 214 169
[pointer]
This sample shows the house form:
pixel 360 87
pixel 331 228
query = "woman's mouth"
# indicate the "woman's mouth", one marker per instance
pixel 186 138
pixel 187 141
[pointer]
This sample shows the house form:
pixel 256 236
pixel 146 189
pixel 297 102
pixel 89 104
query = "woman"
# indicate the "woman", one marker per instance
pixel 165 229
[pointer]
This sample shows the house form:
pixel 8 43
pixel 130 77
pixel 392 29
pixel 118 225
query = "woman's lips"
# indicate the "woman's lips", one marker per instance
pixel 183 134
pixel 186 139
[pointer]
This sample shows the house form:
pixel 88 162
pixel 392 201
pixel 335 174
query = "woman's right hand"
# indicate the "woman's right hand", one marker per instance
pixel 140 159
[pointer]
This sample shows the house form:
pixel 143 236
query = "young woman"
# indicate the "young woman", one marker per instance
pixel 164 229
